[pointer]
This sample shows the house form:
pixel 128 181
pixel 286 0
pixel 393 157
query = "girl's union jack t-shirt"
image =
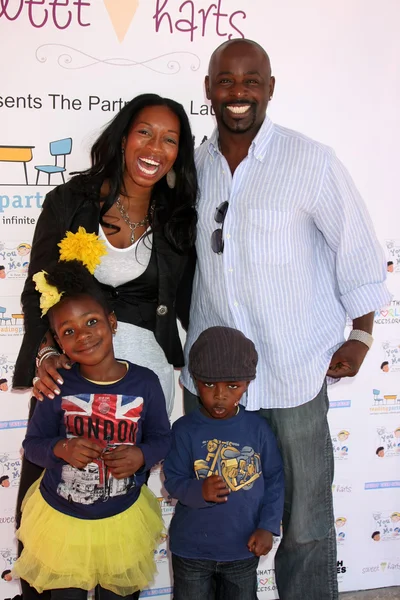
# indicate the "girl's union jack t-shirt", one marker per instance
pixel 131 411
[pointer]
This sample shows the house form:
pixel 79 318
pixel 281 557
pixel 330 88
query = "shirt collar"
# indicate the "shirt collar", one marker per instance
pixel 258 147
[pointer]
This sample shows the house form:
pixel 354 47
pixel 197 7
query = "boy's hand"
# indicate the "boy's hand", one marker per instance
pixel 124 460
pixel 260 542
pixel 214 489
pixel 77 452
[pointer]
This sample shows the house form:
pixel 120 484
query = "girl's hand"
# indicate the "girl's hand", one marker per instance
pixel 77 452
pixel 45 384
pixel 124 460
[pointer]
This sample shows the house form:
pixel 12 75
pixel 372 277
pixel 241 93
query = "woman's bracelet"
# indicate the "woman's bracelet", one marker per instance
pixel 52 352
pixel 46 349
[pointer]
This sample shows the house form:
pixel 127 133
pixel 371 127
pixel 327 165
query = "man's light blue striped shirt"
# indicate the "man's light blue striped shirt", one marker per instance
pixel 300 252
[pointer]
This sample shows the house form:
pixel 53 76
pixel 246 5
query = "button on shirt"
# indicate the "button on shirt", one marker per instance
pixel 299 253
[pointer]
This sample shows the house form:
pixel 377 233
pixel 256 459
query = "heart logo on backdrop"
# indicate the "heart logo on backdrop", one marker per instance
pixel 121 13
pixel 383 566
pixel 384 313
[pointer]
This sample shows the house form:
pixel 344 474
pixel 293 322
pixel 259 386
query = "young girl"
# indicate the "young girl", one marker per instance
pixel 90 521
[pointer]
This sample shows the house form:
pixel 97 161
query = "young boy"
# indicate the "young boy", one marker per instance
pixel 226 471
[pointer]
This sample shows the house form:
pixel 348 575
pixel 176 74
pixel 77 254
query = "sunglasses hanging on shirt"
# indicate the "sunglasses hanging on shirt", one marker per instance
pixel 217 240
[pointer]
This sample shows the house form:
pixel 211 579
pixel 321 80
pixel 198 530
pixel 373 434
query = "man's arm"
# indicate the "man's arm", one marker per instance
pixel 348 359
pixel 341 216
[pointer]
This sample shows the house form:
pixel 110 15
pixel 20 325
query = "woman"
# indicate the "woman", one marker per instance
pixel 139 195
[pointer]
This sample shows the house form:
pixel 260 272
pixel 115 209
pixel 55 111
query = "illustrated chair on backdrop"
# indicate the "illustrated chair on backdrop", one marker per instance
pixel 57 148
pixel 3 318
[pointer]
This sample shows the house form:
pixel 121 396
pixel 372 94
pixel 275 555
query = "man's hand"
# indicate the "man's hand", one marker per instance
pixel 214 489
pixel 77 452
pixel 260 542
pixel 348 359
pixel 124 460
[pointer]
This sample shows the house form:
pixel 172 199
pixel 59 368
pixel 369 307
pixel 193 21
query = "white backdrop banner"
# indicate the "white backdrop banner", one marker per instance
pixel 67 67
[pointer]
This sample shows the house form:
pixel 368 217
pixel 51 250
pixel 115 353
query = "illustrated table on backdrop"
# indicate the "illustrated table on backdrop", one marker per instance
pixel 21 154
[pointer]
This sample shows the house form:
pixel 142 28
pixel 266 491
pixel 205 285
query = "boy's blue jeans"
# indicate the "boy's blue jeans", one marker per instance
pixel 305 563
pixel 211 580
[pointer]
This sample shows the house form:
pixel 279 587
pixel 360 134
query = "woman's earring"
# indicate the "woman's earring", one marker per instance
pixel 171 179
pixel 123 159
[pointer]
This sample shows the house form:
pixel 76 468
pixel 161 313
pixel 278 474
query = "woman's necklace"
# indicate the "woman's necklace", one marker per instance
pixel 125 217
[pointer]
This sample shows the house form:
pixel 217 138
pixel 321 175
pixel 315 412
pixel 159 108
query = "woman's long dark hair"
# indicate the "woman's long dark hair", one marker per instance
pixel 174 209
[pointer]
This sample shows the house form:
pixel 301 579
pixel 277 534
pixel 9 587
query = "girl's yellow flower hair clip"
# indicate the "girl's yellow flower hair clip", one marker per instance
pixel 82 246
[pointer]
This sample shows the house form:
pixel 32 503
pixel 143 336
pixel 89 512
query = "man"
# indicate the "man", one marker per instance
pixel 289 251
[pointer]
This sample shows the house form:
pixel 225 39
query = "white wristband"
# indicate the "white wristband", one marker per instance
pixel 361 336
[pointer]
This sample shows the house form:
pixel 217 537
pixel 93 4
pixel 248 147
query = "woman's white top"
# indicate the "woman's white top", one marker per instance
pixel 136 344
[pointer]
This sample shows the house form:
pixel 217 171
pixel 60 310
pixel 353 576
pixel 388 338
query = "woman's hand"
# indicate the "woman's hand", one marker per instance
pixel 45 384
pixel 124 460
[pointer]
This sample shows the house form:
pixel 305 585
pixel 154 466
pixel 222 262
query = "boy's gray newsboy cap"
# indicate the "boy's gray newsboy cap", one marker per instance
pixel 223 354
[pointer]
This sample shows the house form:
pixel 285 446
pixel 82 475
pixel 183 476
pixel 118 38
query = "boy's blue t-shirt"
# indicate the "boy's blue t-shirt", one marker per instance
pixel 242 450
pixel 130 411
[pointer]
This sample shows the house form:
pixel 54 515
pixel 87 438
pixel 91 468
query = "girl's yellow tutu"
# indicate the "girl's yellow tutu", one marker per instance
pixel 65 552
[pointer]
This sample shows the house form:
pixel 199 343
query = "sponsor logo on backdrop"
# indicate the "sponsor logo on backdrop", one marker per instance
pixel 14 260
pixel 8 558
pixel 340 404
pixel 341 569
pixel 387 442
pixel 161 555
pixel 156 470
pixel 167 505
pixel 382 567
pixel 386 526
pixel 384 402
pixel 17 424
pixel 341 533
pixel 10 469
pixel 191 20
pixel 342 487
pixel 11 317
pixel 6 372
pixel 391 357
pixel 49 174
pixel 165 591
pixel 389 314
pixel 17 202
pixel 266 580
pixel 393 252
pixel 341 445
pixel 382 485
pixel 194 19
